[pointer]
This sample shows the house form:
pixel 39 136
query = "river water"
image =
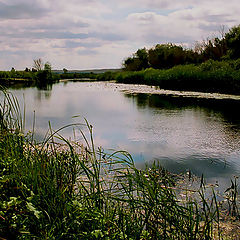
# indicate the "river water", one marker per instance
pixel 182 131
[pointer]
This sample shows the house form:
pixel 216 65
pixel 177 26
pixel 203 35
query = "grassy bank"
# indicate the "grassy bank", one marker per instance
pixel 61 190
pixel 43 78
pixel 211 76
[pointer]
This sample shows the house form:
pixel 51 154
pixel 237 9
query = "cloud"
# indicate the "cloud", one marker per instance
pixel 48 35
pixel 19 53
pixel 78 43
pixel 21 11
pixel 108 36
pixel 87 52
pixel 58 25
pixel 141 18
pixel 101 29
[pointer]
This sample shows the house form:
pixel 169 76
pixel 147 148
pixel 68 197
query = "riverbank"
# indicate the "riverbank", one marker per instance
pixel 155 90
pixel 208 77
pixel 78 80
pixel 62 193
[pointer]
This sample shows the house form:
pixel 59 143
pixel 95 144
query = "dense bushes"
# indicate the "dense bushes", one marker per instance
pixel 213 66
pixel 75 75
pixel 210 76
pixel 41 77
pixel 163 56
pixel 16 74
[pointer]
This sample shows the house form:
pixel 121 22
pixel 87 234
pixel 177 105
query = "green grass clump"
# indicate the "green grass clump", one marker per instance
pixel 80 192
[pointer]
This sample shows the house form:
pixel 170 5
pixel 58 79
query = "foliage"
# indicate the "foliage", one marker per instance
pixel 41 78
pixel 107 76
pixel 138 61
pixel 161 56
pixel 210 76
pixel 164 56
pixel 233 42
pixel 75 75
pixel 47 66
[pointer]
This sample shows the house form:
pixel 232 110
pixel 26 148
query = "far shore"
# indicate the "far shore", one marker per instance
pixel 78 80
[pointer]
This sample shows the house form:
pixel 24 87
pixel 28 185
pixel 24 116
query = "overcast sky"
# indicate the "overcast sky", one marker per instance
pixel 87 34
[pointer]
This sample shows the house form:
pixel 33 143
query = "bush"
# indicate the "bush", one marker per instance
pixel 210 76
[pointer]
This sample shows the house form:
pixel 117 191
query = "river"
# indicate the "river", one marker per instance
pixel 182 131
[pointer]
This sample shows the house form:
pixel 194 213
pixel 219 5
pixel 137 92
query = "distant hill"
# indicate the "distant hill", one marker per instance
pixel 89 71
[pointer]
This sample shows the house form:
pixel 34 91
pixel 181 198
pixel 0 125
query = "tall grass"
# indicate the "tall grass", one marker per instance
pixel 211 76
pixel 62 190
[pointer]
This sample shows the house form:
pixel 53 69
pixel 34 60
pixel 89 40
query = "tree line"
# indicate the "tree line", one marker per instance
pixel 40 74
pixel 163 56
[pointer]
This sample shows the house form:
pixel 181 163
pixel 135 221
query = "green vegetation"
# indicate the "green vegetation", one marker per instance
pixel 41 75
pixel 164 56
pixel 210 76
pixel 160 57
pixel 63 190
pixel 213 66
pixel 73 75
pixel 45 76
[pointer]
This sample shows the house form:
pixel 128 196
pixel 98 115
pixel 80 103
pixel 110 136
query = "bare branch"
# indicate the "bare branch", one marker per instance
pixel 38 64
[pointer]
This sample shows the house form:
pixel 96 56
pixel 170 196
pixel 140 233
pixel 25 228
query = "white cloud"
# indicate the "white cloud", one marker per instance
pixel 102 33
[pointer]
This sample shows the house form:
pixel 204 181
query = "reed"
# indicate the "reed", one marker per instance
pixel 210 76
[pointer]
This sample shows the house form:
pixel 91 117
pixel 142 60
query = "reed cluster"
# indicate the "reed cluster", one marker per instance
pixel 210 76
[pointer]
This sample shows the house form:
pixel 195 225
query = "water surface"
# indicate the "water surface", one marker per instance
pixel 181 131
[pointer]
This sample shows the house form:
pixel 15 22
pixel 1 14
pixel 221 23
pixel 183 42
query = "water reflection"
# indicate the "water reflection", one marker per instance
pixel 16 85
pixel 206 136
pixel 42 95
pixel 26 84
pixel 210 167
pixel 180 132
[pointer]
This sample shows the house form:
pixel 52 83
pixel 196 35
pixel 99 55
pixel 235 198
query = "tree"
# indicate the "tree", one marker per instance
pixel 47 66
pixel 38 64
pixel 166 56
pixel 233 42
pixel 132 64
pixel 137 62
pixel 142 55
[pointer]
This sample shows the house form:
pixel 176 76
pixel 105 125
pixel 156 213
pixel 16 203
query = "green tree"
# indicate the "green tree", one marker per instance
pixel 142 55
pixel 48 66
pixel 138 61
pixel 166 56
pixel 43 76
pixel 233 42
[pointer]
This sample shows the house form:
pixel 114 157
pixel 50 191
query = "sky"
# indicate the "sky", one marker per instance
pixel 95 34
